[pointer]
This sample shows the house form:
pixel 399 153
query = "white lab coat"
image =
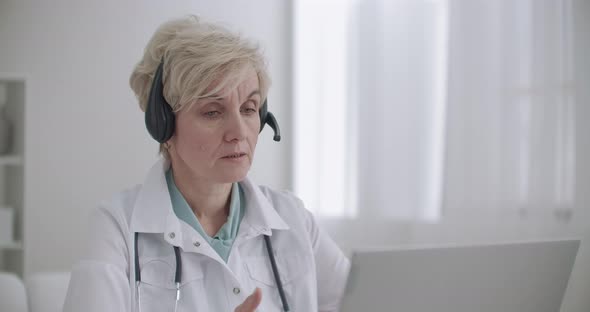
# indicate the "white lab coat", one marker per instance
pixel 312 268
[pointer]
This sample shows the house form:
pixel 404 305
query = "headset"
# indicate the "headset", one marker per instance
pixel 160 119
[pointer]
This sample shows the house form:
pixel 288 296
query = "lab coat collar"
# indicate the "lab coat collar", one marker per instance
pixel 153 213
pixel 260 215
pixel 153 205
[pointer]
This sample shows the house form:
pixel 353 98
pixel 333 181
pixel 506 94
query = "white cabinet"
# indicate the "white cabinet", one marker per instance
pixel 12 171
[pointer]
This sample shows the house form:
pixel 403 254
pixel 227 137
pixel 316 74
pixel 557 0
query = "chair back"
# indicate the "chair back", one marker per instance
pixel 13 296
pixel 47 291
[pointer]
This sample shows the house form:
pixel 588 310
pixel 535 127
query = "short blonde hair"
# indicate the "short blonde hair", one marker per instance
pixel 196 54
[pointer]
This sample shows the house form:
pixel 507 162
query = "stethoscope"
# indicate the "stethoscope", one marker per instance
pixel 178 274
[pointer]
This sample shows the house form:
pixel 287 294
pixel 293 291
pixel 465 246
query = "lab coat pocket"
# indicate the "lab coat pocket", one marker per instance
pixel 290 267
pixel 158 289
pixel 294 271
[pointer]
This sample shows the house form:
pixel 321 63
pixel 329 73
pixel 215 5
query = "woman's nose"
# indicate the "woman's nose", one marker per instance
pixel 236 129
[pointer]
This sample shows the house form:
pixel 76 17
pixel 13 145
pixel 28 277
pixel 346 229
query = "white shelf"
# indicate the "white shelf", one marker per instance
pixel 10 160
pixel 12 173
pixel 11 245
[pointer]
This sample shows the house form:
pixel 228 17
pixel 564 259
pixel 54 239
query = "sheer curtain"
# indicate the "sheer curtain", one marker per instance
pixel 510 110
pixel 421 109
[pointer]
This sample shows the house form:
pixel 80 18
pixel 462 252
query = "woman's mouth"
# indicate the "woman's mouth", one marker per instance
pixel 236 156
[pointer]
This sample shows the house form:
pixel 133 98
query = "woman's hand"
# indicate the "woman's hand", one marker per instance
pixel 251 303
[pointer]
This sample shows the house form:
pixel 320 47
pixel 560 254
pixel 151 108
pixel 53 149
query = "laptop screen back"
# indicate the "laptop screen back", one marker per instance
pixel 516 277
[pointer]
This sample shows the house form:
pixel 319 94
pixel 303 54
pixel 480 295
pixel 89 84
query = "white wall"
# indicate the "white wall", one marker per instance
pixel 85 135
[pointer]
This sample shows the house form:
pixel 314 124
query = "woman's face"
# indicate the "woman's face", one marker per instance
pixel 216 137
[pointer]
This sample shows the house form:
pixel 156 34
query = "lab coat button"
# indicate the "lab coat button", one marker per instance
pixel 197 244
pixel 236 290
pixel 171 235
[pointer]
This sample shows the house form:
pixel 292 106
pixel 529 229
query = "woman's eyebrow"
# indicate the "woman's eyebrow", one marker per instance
pixel 221 98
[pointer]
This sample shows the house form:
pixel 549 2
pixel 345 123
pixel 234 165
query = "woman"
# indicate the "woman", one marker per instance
pixel 198 234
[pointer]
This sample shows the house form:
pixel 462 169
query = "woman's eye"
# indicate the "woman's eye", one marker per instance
pixel 211 114
pixel 250 110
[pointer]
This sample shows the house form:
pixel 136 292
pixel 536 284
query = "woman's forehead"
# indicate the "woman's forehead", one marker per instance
pixel 244 82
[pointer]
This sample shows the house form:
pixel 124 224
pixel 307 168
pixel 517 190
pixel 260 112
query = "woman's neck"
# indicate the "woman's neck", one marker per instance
pixel 209 201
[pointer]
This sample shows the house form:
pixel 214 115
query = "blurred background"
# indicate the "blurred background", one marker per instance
pixel 404 122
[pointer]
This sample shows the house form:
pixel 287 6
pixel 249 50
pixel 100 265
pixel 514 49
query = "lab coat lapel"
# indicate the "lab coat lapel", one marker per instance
pixel 260 217
pixel 152 206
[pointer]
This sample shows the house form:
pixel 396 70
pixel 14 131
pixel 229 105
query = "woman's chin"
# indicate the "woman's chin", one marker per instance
pixel 230 176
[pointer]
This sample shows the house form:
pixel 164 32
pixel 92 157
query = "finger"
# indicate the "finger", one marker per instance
pixel 251 303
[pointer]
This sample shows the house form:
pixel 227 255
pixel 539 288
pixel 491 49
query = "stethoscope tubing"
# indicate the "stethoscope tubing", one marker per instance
pixel 275 271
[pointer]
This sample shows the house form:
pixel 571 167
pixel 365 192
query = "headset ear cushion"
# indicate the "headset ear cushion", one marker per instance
pixel 263 111
pixel 159 117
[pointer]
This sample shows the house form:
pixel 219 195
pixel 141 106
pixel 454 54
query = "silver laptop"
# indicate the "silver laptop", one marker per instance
pixel 515 277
